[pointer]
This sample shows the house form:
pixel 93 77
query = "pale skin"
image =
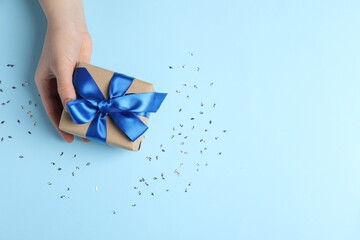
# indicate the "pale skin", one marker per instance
pixel 67 42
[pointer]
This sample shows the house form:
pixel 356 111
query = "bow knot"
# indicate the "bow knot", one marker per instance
pixel 103 107
pixel 124 109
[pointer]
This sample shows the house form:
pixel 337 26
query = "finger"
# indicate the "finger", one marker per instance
pixel 65 86
pixel 52 105
pixel 85 140
pixel 53 108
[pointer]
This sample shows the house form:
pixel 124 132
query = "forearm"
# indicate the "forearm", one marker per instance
pixel 64 13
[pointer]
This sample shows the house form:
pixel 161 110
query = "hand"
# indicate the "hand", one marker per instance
pixel 67 42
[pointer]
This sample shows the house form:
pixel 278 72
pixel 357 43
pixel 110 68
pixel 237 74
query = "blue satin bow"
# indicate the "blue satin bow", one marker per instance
pixel 123 109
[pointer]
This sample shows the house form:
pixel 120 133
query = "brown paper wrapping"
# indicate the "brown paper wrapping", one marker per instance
pixel 115 136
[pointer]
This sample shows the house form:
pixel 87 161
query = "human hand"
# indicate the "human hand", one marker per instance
pixel 67 41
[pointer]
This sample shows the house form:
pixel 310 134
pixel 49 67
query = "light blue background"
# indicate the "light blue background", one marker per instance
pixel 286 88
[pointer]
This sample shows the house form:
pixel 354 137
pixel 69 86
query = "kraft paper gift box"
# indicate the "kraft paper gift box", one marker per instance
pixel 112 135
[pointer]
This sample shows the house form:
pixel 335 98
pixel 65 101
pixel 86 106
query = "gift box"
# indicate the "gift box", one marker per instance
pixel 110 108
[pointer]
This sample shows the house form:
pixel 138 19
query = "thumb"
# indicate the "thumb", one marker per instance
pixel 65 86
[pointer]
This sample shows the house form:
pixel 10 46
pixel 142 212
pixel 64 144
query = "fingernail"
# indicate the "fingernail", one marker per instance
pixel 66 100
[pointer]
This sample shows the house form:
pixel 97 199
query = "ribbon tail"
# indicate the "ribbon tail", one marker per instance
pixel 129 123
pixel 97 129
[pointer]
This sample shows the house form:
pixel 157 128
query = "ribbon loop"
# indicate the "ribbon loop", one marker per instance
pixel 124 109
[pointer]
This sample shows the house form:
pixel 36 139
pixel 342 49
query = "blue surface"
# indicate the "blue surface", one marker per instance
pixel 286 85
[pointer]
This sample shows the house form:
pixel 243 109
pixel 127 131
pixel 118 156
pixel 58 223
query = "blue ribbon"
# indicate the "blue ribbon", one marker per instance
pixel 123 109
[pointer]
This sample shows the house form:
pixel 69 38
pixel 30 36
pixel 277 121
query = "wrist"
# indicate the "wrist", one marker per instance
pixel 64 14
